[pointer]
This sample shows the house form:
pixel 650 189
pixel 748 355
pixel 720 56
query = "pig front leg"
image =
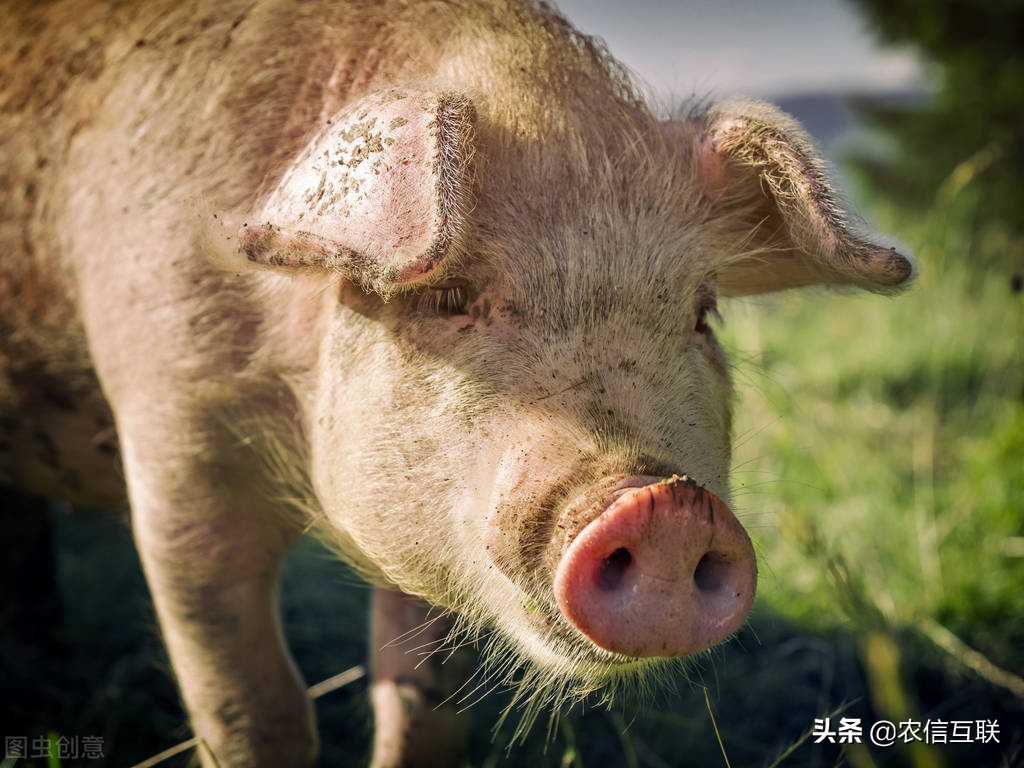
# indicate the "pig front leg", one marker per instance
pixel 211 548
pixel 416 716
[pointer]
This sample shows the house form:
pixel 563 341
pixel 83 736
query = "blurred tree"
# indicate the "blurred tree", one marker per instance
pixel 972 128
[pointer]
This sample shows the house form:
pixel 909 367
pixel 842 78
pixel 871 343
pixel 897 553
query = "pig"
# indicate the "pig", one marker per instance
pixel 430 279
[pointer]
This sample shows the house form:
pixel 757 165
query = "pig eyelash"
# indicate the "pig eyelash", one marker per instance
pixel 447 297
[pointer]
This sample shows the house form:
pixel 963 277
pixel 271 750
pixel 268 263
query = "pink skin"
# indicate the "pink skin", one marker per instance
pixel 666 570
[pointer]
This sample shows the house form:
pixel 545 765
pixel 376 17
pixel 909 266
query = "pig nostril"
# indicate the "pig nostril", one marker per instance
pixel 665 570
pixel 712 572
pixel 613 569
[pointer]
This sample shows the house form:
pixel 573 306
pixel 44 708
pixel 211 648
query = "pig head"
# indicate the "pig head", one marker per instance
pixel 522 411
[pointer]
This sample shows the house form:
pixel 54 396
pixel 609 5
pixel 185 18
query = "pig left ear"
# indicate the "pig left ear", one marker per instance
pixel 379 196
pixel 757 162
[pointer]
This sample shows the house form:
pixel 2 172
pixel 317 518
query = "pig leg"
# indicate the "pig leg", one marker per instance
pixel 211 549
pixel 417 719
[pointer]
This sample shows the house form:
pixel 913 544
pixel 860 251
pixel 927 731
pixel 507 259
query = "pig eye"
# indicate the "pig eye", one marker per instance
pixel 446 297
pixel 707 308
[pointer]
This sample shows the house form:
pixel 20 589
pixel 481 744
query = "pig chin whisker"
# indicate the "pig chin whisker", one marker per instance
pixel 549 675
pixel 417 631
pixel 483 677
pixel 429 649
pixel 553 692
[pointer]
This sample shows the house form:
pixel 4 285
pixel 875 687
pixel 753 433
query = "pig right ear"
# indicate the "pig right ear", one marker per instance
pixel 379 196
pixel 756 162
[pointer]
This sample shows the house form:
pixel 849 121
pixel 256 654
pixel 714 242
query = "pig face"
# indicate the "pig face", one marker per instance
pixel 520 410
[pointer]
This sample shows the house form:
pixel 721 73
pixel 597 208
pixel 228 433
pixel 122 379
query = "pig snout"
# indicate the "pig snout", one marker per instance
pixel 665 570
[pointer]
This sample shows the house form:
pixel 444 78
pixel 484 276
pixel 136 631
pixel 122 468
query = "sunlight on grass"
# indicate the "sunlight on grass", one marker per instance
pixel 880 459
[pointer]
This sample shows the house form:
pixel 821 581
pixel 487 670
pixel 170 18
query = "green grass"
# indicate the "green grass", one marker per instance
pixel 881 464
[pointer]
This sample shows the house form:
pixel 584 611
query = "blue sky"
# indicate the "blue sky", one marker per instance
pixel 744 47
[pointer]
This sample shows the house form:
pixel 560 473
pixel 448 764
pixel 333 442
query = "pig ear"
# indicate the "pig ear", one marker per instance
pixel 380 195
pixel 756 160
